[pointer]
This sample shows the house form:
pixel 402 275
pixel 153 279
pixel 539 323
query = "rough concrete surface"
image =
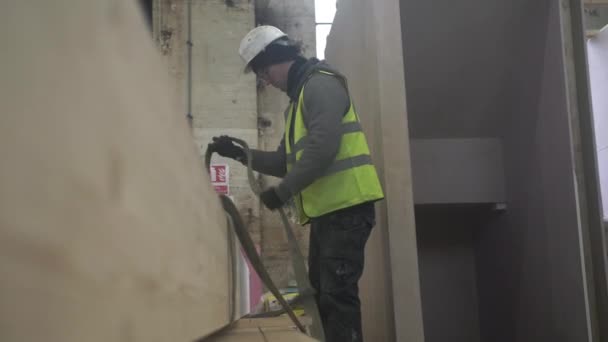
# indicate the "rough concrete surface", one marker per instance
pixel 223 97
pixel 227 101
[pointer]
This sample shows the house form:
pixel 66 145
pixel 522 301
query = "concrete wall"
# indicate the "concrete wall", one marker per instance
pixel 226 101
pixel 223 98
pixel 530 277
pixel 297 19
pixel 597 50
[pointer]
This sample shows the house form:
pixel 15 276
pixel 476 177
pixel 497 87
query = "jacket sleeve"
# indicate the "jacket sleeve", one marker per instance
pixel 326 101
pixel 271 163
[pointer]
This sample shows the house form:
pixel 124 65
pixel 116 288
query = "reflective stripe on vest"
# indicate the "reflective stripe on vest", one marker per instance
pixel 348 127
pixel 351 179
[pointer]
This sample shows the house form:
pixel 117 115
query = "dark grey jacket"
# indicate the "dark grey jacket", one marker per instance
pixel 326 101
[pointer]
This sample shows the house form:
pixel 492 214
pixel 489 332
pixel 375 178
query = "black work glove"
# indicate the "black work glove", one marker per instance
pixel 226 148
pixel 271 199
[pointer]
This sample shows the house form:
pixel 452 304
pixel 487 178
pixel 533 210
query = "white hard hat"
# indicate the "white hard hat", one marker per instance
pixel 257 40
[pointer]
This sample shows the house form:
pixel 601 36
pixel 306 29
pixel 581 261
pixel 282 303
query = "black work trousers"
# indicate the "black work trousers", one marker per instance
pixel 336 257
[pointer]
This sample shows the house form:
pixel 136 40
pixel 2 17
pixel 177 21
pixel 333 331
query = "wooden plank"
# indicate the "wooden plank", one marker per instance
pixel 281 321
pixel 260 334
pixel 365 44
pixel 394 136
pixel 109 229
pixel 348 35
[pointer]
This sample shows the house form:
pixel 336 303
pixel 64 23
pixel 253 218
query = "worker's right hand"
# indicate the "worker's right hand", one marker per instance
pixel 226 148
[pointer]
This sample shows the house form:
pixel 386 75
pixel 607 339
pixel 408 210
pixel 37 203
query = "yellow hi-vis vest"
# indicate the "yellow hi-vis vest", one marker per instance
pixel 350 180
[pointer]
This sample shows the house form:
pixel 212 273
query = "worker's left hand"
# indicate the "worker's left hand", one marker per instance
pixel 271 199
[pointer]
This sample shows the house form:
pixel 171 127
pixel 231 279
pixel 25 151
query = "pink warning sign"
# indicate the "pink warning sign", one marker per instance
pixel 220 178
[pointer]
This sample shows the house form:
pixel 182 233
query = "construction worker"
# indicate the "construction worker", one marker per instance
pixel 326 169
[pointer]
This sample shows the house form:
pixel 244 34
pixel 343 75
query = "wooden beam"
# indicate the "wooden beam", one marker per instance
pixel 366 45
pixel 109 228
pixel 259 334
pixel 272 322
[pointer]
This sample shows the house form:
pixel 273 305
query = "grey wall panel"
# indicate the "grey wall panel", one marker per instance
pixel 457 55
pixel 447 271
pixel 531 286
pixel 457 171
